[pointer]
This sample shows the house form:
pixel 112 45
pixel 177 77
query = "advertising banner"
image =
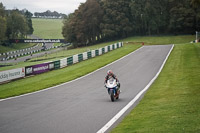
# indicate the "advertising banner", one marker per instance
pixel 12 74
pixel 40 68
pixel 37 41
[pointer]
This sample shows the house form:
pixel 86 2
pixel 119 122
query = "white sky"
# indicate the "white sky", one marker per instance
pixel 61 6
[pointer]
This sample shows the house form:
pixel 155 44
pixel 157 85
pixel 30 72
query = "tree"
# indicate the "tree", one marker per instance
pixel 181 17
pixel 16 25
pixel 28 15
pixel 116 20
pixel 2 23
pixel 149 17
pixel 111 19
pixel 82 27
pixel 92 17
pixel 68 29
pixel 195 3
pixel 196 6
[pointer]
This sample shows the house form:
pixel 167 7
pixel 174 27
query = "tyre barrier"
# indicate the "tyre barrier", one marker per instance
pixel 7 55
pixel 14 74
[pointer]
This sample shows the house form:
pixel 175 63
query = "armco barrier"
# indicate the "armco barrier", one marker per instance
pixel 45 67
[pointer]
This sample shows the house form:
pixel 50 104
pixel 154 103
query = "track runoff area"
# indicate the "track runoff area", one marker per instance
pixel 83 105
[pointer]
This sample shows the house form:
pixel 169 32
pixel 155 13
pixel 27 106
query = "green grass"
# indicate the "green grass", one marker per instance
pixel 156 40
pixel 48 28
pixel 62 75
pixel 172 104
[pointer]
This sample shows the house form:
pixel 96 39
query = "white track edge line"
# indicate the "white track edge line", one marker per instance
pixel 71 80
pixel 118 115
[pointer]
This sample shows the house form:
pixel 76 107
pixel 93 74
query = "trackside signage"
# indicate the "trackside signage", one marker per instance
pixel 40 68
pixel 37 41
pixel 12 74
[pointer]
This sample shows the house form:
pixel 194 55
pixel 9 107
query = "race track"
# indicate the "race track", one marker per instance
pixel 82 106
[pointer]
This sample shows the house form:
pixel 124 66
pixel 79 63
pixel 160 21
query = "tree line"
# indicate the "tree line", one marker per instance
pixel 49 14
pixel 14 24
pixel 101 20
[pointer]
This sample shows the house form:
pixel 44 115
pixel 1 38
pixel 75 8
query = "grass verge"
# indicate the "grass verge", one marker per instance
pixel 157 40
pixel 56 77
pixel 48 28
pixel 172 104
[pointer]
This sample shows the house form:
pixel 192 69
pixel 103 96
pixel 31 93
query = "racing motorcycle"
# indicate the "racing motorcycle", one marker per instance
pixel 113 88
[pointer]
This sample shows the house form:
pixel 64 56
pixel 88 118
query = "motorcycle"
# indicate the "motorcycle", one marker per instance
pixel 113 88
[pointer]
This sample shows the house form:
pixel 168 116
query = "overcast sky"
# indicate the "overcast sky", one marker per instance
pixel 61 6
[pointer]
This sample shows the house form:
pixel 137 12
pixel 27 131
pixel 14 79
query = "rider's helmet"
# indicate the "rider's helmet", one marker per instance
pixel 109 72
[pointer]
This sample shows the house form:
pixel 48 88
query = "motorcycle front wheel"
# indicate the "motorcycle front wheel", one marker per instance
pixel 112 95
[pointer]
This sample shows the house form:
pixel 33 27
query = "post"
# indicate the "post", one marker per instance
pixel 196 36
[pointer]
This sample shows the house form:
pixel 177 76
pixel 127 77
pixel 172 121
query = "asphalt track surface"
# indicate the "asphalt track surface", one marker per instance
pixel 83 105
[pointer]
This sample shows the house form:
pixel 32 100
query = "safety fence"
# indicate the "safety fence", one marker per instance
pixel 53 65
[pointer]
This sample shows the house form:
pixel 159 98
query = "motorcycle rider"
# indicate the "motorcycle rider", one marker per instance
pixel 111 74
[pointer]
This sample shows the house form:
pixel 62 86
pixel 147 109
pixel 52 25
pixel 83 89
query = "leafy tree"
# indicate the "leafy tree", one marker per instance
pixel 116 20
pixel 49 14
pixel 195 3
pixel 16 25
pixel 91 17
pixel 196 6
pixel 2 23
pixel 3 28
pixel 82 27
pixel 68 29
pixel 149 16
pixel 97 20
pixel 181 17
pixel 2 10
pixel 28 15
